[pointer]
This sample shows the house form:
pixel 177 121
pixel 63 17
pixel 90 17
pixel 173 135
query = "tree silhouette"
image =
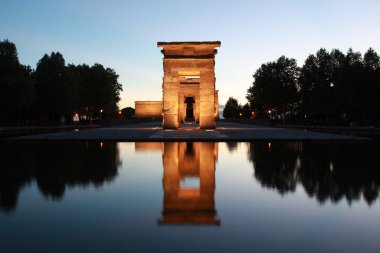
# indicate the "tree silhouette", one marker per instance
pixel 231 109
pixel 56 88
pixel 128 112
pixel 98 87
pixel 274 87
pixel 371 85
pixel 317 82
pixel 16 86
pixel 332 88
pixel 246 111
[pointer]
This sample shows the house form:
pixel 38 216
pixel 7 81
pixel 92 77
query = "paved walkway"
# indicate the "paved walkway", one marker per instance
pixel 153 131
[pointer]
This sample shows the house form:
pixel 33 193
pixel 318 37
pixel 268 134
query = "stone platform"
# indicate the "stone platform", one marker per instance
pixel 225 131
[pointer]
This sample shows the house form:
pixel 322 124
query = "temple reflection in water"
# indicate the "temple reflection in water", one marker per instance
pixel 188 182
pixel 194 203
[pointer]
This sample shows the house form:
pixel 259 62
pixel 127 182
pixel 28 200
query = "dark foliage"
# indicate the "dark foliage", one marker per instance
pixel 232 109
pixel 128 112
pixel 17 90
pixel 331 88
pixel 54 89
pixel 275 87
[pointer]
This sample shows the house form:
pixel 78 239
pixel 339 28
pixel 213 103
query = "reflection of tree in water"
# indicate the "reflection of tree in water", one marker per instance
pixel 274 165
pixel 54 166
pixel 327 171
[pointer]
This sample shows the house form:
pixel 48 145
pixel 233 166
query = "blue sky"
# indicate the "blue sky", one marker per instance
pixel 123 34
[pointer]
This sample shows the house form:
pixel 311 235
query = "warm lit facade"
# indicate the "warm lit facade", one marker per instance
pixel 148 109
pixel 189 83
pixel 188 88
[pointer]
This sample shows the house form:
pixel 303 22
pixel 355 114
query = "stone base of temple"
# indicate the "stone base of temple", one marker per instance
pixel 171 121
pixel 207 122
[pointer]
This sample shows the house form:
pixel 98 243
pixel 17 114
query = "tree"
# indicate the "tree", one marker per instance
pixel 317 83
pixel 231 109
pixel 56 87
pixel 246 111
pixel 98 89
pixel 128 112
pixel 350 92
pixel 274 87
pixel 371 85
pixel 16 85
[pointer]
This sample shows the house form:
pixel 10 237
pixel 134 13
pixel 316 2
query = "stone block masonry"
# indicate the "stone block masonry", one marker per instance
pixel 189 83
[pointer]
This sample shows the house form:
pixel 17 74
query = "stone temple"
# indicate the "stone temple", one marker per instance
pixel 188 88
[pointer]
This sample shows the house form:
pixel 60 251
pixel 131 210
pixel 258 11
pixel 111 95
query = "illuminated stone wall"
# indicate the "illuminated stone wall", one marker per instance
pixel 216 113
pixel 148 109
pixel 189 72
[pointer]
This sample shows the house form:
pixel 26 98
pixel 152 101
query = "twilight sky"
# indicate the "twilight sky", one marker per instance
pixel 123 34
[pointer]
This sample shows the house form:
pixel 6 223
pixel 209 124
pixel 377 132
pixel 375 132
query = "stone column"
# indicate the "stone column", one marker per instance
pixel 216 114
pixel 170 98
pixel 182 107
pixel 207 98
pixel 196 110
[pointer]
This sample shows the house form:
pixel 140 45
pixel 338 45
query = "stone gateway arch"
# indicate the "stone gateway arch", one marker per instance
pixel 188 86
pixel 188 89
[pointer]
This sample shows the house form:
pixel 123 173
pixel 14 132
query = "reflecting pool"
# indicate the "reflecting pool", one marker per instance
pixel 189 197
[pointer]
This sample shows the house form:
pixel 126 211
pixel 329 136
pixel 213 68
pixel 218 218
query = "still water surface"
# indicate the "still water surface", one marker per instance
pixel 189 197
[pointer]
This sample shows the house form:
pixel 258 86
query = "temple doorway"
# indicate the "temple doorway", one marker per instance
pixel 189 101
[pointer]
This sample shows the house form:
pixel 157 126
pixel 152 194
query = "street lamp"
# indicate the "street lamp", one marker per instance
pixel 101 111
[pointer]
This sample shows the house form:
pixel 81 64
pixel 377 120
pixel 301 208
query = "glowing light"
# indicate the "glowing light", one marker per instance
pixel 331 85
pixel 191 77
pixel 269 145
pixel 269 111
pixel 101 145
pixel 101 110
pixel 119 112
pixel 331 166
pixel 76 117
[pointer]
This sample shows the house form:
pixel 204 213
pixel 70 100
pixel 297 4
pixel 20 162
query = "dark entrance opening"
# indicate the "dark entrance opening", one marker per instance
pixel 189 108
